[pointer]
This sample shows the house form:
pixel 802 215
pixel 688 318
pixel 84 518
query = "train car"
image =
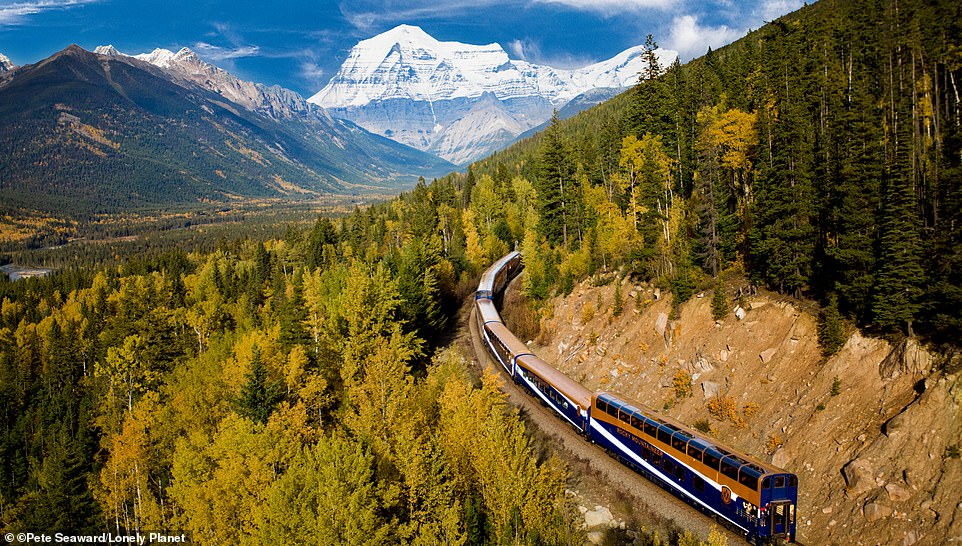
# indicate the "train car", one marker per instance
pixel 566 397
pixel 505 348
pixel 757 498
pixel 486 313
pixel 496 277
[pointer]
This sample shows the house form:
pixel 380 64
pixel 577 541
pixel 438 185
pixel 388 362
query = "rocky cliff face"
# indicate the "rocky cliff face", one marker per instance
pixel 408 86
pixel 873 432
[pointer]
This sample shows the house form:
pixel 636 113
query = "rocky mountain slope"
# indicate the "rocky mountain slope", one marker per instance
pixel 415 89
pixel 873 432
pixel 6 64
pixel 84 131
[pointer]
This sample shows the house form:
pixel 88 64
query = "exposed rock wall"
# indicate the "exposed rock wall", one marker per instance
pixel 873 449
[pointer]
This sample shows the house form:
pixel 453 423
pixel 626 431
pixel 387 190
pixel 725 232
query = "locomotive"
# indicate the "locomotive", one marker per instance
pixel 749 495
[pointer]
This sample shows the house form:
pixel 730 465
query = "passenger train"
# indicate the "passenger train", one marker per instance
pixel 754 497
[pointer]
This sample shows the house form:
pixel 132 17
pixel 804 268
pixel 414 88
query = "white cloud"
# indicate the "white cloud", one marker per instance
pixel 312 73
pixel 690 39
pixel 217 53
pixel 517 50
pixel 13 14
pixel 773 9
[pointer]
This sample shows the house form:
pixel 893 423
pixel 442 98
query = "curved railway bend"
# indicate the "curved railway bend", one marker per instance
pixel 654 507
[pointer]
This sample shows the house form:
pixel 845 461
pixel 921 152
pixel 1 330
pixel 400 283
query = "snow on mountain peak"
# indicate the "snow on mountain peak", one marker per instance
pixel 6 64
pixel 407 63
pixel 159 57
pixel 107 50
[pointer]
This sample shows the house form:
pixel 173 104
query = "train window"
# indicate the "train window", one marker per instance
pixel 792 481
pixel 666 464
pixel 679 443
pixel 645 453
pixel 680 472
pixel 779 481
pixel 651 429
pixel 748 480
pixel 711 461
pixel 664 435
pixel 694 452
pixel 699 484
pixel 729 470
pixel 636 422
pixel 767 483
pixel 601 405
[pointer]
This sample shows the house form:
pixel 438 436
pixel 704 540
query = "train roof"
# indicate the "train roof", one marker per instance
pixel 760 467
pixel 487 278
pixel 489 313
pixel 567 386
pixel 513 344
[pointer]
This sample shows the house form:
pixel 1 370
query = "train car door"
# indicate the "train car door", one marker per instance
pixel 780 518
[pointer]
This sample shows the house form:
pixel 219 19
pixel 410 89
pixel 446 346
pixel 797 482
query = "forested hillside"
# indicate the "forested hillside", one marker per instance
pixel 820 155
pixel 83 133
pixel 263 393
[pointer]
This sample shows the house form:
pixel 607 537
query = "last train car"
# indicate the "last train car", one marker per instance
pixel 757 498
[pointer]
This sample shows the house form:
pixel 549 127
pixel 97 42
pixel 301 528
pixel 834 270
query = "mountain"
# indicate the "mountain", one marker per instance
pixel 6 64
pixel 104 132
pixel 408 86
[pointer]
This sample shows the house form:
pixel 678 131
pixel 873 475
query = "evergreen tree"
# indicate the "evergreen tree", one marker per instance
pixel 259 394
pixel 719 302
pixel 900 276
pixel 830 331
pixel 555 184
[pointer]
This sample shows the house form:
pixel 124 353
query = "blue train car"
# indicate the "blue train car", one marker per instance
pixel 505 348
pixel 567 398
pixel 496 277
pixel 756 498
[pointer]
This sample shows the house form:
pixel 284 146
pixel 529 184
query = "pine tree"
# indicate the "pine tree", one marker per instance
pixel 830 332
pixel 900 274
pixel 259 395
pixel 555 184
pixel 719 302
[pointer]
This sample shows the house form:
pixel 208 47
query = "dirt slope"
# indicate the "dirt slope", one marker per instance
pixel 872 450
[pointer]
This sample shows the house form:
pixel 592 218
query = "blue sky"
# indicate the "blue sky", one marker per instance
pixel 301 44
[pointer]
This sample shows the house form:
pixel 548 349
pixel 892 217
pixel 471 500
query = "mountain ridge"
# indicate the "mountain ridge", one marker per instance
pixel 408 86
pixel 105 132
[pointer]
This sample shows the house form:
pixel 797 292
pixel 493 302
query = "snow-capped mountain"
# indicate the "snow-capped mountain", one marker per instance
pixel 415 89
pixel 6 64
pixel 274 101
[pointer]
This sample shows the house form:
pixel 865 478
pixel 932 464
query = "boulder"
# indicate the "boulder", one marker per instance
pixel 767 355
pixel 661 323
pixel 710 389
pixel 599 517
pixel 703 365
pixel 859 476
pixel 657 294
pixel 874 511
pixel 910 538
pixel 781 458
pixel 897 493
pixel 723 355
pixel 739 313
